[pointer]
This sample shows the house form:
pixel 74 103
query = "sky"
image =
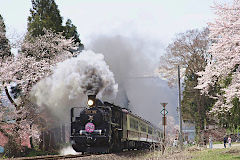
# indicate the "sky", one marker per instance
pixel 142 28
pixel 153 20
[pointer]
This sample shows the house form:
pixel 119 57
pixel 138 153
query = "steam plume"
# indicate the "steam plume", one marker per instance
pixel 130 59
pixel 72 80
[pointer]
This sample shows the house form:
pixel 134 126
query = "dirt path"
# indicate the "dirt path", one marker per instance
pixel 221 145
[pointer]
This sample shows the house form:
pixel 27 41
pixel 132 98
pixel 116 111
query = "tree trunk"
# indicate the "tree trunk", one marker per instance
pixel 52 141
pixel 31 139
pixel 41 145
pixel 10 98
pixel 4 132
pixel 63 133
pixel 46 140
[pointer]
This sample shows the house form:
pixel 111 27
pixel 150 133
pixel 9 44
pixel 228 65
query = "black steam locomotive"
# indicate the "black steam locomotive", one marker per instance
pixel 104 127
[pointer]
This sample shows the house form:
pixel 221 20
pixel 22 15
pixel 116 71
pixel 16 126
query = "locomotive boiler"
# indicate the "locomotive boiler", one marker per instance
pixel 104 127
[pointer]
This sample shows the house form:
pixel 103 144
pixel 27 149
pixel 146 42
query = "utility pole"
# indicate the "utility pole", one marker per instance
pixel 164 112
pixel 180 112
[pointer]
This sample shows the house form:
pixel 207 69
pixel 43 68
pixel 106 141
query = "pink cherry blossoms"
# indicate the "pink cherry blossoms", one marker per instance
pixel 34 62
pixel 225 60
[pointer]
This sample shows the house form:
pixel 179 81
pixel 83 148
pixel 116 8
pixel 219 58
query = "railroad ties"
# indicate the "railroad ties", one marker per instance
pixel 54 157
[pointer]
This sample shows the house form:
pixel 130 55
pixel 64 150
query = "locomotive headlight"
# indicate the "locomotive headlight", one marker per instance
pixel 90 102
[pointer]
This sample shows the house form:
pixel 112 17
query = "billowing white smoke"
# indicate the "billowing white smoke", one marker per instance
pixel 72 80
pixel 67 151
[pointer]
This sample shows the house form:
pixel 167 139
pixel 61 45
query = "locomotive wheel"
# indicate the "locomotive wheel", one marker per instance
pixel 76 148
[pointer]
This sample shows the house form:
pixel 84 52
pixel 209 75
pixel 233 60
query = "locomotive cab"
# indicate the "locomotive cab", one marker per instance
pixel 91 128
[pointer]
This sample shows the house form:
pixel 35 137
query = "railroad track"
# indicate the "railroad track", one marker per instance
pixel 54 157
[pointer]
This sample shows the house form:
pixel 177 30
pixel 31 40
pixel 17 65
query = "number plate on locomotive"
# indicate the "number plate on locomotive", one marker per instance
pixel 91 111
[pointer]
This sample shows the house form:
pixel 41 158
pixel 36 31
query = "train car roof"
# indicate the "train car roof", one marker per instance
pixel 127 111
pixel 148 122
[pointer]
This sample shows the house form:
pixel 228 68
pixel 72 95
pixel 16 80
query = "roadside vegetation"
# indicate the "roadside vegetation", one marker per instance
pixel 218 154
pixel 193 153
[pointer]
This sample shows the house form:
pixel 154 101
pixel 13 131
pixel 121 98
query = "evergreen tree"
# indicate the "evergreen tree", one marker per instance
pixel 44 14
pixel 195 106
pixel 4 43
pixel 70 30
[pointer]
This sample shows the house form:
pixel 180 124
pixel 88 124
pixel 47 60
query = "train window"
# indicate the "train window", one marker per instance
pixel 143 127
pixel 136 125
pixel 133 124
pixel 150 130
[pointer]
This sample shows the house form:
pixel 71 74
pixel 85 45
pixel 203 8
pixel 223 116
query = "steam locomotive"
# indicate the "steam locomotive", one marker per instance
pixel 105 127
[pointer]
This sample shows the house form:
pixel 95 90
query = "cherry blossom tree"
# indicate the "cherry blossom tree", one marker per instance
pixel 222 72
pixel 171 128
pixel 35 61
pixel 5 48
pixel 188 50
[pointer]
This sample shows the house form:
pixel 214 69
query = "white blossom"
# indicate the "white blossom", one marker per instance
pixel 36 61
pixel 225 49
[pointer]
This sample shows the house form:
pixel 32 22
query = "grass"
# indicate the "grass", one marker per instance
pixel 218 142
pixel 217 154
pixel 34 153
pixel 194 153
